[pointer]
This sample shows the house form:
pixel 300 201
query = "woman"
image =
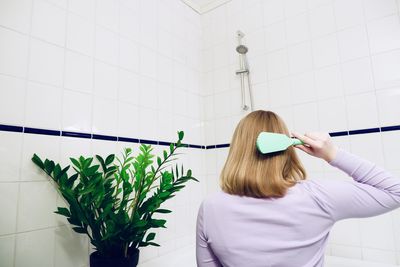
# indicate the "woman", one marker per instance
pixel 268 214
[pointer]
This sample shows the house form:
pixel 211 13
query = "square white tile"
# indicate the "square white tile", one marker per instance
pixel 362 111
pixel 13 53
pixel 15 14
pixel 46 63
pixel 128 120
pixel 74 148
pixel 8 205
pixel 45 147
pixel 275 37
pixel 148 93
pixel 300 58
pixel 297 29
pixel 348 13
pixel 373 152
pixel 7 246
pixel 353 43
pixel 71 248
pixel 76 111
pixel 346 233
pixel 104 114
pixel 357 76
pixel 375 8
pixel 39 112
pixel 12 102
pixel 293 7
pixel 48 22
pixel 106 45
pixel 377 232
pixel 148 62
pixel 277 64
pixel 35 248
pixel 80 34
pixel 390 148
pixel 303 88
pixel 384 34
pixel 280 92
pixel 332 115
pixel 78 72
pixel 385 67
pixel 36 206
pixel 325 51
pixel 328 82
pixel 273 11
pixel 322 21
pixel 105 80
pixel 10 156
pixel 85 9
pixel 389 111
pixel 129 55
pixel 306 117
pixel 128 90
pixel 107 12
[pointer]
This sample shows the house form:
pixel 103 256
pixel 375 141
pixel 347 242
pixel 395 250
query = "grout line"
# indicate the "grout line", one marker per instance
pixel 26 81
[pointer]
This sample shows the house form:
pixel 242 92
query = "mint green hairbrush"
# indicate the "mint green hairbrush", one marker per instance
pixel 274 142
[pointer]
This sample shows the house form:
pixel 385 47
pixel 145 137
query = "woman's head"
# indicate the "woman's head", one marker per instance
pixel 247 172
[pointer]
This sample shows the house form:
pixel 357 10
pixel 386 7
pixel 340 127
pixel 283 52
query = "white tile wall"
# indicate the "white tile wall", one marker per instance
pixel 126 68
pixel 147 68
pixel 331 65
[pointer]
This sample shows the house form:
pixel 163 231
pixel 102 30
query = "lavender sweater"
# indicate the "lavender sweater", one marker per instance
pixel 292 231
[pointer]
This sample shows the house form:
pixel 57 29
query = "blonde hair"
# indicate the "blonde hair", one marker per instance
pixel 247 172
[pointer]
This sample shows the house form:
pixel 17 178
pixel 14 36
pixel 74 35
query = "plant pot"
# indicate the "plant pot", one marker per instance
pixel 96 260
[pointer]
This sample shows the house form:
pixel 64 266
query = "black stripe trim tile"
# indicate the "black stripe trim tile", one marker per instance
pixel 41 131
pixel 195 146
pixel 10 128
pixel 390 128
pixel 222 145
pixel 364 131
pixel 162 143
pixel 104 137
pixel 343 133
pixel 149 142
pixel 127 139
pixel 76 134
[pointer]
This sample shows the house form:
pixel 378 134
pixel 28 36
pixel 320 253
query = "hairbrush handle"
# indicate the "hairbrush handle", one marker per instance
pixel 297 142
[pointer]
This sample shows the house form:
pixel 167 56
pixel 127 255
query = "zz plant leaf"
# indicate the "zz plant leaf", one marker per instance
pixel 113 200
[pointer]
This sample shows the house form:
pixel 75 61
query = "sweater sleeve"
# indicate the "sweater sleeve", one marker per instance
pixel 204 255
pixel 372 192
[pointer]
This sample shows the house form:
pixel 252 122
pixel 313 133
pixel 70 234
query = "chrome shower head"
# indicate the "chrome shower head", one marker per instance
pixel 242 49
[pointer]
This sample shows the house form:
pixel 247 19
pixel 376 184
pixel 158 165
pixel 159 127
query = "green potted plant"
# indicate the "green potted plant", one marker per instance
pixel 114 201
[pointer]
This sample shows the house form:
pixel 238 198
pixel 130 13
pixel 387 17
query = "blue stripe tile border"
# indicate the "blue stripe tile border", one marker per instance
pixel 364 131
pixel 127 139
pixel 334 134
pixel 75 134
pixel 10 128
pixel 222 145
pixel 390 128
pixel 148 142
pixel 104 137
pixel 21 129
pixel 162 143
pixel 41 131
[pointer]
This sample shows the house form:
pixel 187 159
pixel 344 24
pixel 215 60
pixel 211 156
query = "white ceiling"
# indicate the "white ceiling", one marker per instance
pixel 202 6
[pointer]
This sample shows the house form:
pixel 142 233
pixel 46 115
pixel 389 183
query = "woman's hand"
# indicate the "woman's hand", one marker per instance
pixel 318 145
